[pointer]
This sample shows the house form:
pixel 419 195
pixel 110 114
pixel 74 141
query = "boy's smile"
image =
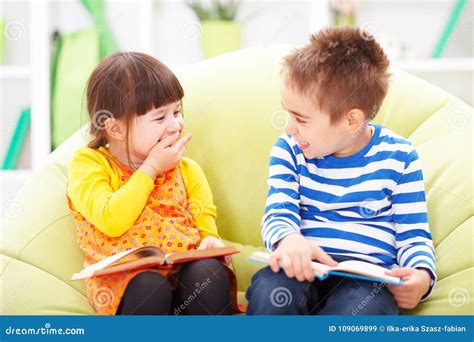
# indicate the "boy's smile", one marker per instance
pixel 313 131
pixel 302 144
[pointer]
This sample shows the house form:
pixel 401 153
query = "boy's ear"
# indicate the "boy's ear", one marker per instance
pixel 355 120
pixel 115 129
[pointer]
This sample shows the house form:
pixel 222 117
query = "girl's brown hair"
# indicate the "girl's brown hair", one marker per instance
pixel 124 85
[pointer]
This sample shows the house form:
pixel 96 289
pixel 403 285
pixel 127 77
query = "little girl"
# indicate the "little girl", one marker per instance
pixel 132 187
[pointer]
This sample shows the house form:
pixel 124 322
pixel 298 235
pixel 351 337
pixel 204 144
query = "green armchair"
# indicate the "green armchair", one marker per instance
pixel 233 109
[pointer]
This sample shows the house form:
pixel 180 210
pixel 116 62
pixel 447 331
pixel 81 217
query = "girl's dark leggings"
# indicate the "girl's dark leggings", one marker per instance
pixel 203 288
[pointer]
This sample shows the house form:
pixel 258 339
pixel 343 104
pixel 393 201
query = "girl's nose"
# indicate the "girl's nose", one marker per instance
pixel 175 126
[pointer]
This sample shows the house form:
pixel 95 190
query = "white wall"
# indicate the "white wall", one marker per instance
pixel 175 38
pixel 169 30
pixel 416 24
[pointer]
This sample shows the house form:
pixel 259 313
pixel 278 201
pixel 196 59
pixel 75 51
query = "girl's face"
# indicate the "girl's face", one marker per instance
pixel 149 129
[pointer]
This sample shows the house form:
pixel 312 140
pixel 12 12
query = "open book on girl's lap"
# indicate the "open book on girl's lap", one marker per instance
pixel 350 268
pixel 146 257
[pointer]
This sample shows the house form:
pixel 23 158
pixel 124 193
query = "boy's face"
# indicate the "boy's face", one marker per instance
pixel 311 128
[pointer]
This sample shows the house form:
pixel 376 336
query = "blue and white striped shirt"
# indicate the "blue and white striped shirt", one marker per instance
pixel 370 206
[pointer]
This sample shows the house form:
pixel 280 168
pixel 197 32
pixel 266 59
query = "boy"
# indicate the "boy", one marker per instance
pixel 341 189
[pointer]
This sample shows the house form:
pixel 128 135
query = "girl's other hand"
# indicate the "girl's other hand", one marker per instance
pixel 213 242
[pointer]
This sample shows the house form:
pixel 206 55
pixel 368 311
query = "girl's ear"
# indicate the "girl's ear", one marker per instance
pixel 115 129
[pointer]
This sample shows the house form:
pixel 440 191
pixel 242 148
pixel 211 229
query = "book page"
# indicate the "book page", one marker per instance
pixel 107 261
pixel 119 258
pixel 365 269
pixel 141 253
pixel 263 258
pixel 149 261
pixel 133 258
pixel 322 268
pixel 90 270
pixel 200 254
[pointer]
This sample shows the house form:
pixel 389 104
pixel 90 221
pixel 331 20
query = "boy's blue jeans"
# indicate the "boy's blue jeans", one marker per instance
pixel 275 294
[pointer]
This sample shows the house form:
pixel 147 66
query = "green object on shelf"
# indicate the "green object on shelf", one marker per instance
pixel 344 20
pixel 2 40
pixel 106 40
pixel 220 36
pixel 75 56
pixel 449 28
pixel 17 140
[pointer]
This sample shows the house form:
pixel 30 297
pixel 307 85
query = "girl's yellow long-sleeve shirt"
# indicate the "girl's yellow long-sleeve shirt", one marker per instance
pixel 96 191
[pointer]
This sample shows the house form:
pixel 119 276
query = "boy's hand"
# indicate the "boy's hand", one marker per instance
pixel 167 153
pixel 213 242
pixel 295 253
pixel 416 283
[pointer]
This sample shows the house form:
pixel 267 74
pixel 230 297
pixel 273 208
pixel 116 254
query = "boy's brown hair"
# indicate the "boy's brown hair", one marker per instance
pixel 341 69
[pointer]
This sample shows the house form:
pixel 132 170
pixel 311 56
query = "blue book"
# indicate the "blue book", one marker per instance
pixel 350 268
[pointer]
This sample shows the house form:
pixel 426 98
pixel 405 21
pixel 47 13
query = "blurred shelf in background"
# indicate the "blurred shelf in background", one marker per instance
pixel 437 65
pixel 170 31
pixel 24 82
pixel 14 71
pixel 454 75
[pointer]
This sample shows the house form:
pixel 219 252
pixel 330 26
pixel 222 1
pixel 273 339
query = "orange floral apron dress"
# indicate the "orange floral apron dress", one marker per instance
pixel 165 222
